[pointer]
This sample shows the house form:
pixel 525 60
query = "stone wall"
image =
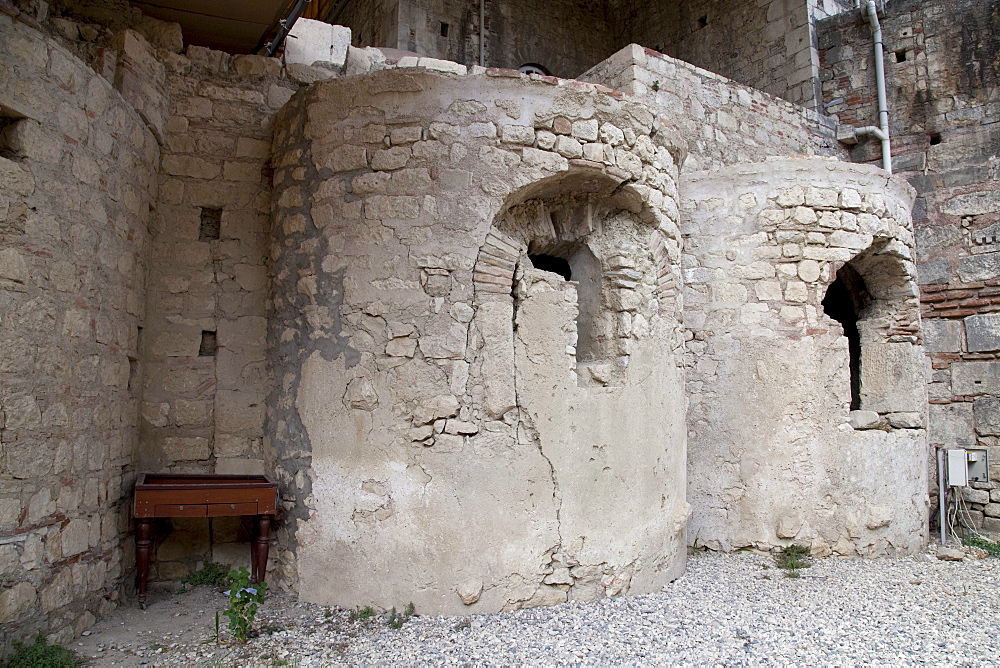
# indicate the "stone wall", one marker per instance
pixel 206 374
pixel 942 74
pixel 776 455
pixel 461 428
pixel 723 121
pixel 767 44
pixel 564 37
pixel 77 187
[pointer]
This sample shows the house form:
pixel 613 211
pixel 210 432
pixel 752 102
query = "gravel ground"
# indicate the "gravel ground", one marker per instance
pixel 735 609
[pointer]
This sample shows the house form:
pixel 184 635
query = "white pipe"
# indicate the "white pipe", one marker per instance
pixel 941 500
pixel 482 33
pixel 883 109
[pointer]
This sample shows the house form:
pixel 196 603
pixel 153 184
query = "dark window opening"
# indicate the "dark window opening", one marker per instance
pixel 533 68
pixel 845 300
pixel 702 21
pixel 444 29
pixel 935 139
pixel 556 265
pixel 209 344
pixel 900 56
pixel 211 225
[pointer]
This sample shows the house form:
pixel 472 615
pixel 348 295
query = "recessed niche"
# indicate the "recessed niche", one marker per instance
pixel 900 56
pixel 211 224
pixel 444 29
pixel 209 344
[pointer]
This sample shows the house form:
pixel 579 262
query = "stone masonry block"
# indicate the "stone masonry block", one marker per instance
pixel 983 332
pixel 986 413
pixel 942 336
pixel 314 42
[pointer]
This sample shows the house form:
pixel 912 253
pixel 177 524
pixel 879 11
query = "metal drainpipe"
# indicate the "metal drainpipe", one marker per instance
pixel 882 131
pixel 482 33
pixel 285 26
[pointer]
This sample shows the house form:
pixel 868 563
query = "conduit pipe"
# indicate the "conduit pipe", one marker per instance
pixel 942 503
pixel 482 33
pixel 882 131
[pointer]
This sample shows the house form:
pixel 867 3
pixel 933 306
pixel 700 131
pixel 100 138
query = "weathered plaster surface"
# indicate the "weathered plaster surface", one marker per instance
pixel 456 449
pixel 775 454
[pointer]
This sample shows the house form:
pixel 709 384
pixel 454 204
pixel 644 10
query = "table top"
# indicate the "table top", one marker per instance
pixel 200 480
pixel 203 495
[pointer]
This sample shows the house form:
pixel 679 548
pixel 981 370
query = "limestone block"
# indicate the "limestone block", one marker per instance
pixel 982 267
pixel 15 179
pixel 991 510
pixel 344 158
pixel 972 495
pixel 315 42
pixel 469 591
pixel 187 448
pixel 361 394
pixel 240 466
pixel 942 336
pixel 517 134
pixel 864 419
pixel 972 378
pixel 982 332
pixel 986 414
pixel 438 65
pixel 586 130
pixel 75 537
pixel 569 147
pixel 391 158
pixel 17 601
pixel 888 382
pixel 911 420
pixel 951 425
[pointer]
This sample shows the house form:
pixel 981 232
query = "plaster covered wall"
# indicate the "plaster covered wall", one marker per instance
pixel 776 455
pixel 942 64
pixel 457 434
pixel 77 183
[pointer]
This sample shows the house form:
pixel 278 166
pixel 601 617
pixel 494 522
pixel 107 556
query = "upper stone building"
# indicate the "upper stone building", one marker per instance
pixel 504 338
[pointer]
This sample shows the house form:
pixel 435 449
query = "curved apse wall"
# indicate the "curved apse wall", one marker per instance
pixel 467 430
pixel 831 451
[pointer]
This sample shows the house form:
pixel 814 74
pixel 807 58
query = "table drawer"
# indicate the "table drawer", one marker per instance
pixel 229 509
pixel 180 510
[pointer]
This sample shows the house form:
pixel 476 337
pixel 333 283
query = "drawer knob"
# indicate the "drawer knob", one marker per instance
pixel 182 507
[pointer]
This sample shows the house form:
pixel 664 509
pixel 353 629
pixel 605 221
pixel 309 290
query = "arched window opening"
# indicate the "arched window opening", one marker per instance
pixel 556 265
pixel 533 68
pixel 845 301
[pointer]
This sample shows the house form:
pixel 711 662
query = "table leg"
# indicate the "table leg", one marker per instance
pixel 144 546
pixel 259 548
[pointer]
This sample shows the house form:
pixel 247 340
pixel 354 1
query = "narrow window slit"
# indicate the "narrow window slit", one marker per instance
pixel 211 224
pixel 209 344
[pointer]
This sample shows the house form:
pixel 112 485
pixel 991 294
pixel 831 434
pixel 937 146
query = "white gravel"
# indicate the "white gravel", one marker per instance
pixel 735 609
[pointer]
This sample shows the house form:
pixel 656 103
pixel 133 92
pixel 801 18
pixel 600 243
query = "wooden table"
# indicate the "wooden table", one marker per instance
pixel 193 495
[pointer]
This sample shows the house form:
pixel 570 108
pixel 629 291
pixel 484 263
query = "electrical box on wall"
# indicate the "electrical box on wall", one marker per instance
pixel 967 465
pixel 979 464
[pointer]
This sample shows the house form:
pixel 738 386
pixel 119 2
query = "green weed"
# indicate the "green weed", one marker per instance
pixel 40 654
pixel 211 573
pixel 792 559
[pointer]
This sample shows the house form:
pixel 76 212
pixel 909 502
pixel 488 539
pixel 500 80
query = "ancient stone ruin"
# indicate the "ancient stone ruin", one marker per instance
pixel 504 339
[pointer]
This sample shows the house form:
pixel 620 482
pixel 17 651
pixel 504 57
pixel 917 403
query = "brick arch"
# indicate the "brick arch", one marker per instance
pixel 493 272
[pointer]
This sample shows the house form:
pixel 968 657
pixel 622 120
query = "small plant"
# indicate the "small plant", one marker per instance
pixel 211 573
pixel 656 85
pixel 40 654
pixel 793 558
pixel 243 604
pixel 396 619
pixel 991 547
pixel 361 614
